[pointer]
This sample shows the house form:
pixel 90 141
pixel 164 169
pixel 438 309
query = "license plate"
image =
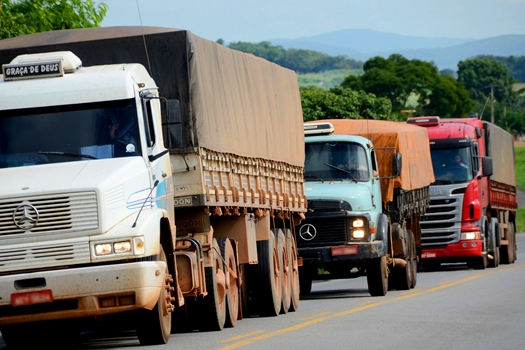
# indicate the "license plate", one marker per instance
pixel 428 255
pixel 30 298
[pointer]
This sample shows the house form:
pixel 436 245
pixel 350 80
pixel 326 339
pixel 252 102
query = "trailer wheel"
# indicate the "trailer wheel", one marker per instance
pixel 284 263
pixel 154 326
pixel 507 252
pixel 294 270
pixel 493 244
pixel 232 282
pixel 413 258
pixel 213 306
pixel 268 277
pixel 377 276
pixel 402 277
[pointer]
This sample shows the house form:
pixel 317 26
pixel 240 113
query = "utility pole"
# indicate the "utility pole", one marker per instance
pixel 492 103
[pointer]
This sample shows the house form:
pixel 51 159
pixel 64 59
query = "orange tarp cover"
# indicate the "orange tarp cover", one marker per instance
pixel 389 137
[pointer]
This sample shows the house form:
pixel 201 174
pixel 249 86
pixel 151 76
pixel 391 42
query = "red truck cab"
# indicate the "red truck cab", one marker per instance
pixel 462 224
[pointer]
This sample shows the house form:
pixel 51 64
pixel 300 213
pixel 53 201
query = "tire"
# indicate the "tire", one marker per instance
pixel 413 259
pixel 294 270
pixel 267 275
pixel 232 282
pixel 402 277
pixel 154 326
pixel 377 276
pixel 284 269
pixel 494 249
pixel 212 307
pixel 508 252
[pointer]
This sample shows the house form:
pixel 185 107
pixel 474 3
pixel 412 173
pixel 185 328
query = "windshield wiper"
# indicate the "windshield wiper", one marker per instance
pixel 65 154
pixel 341 169
pixel 443 182
pixel 315 177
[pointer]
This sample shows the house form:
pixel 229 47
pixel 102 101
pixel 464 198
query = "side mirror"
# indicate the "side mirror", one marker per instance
pixel 396 164
pixel 172 124
pixel 487 166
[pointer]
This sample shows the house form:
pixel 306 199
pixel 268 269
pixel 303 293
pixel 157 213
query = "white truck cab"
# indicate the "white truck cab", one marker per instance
pixel 84 181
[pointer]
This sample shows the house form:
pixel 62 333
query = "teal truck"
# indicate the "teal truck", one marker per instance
pixel 367 184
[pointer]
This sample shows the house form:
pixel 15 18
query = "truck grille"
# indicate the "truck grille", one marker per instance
pixel 441 223
pixel 328 232
pixel 36 257
pixel 56 213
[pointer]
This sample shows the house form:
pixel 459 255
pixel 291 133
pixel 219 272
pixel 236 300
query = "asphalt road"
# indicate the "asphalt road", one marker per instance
pixel 451 308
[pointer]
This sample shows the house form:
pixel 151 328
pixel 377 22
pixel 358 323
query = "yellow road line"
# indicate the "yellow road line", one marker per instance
pixel 364 307
pixel 241 336
pixel 316 315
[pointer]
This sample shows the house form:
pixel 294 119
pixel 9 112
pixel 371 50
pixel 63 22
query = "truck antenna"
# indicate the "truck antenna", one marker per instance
pixel 145 200
pixel 144 38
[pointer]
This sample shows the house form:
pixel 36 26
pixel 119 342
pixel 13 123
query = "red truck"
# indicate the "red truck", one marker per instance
pixel 473 205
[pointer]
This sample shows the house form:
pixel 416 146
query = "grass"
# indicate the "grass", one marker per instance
pixel 520 220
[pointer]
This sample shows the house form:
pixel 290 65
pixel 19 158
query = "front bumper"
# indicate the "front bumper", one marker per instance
pixel 341 253
pixel 457 252
pixel 83 292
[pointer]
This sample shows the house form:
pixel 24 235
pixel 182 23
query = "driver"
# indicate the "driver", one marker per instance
pixel 123 144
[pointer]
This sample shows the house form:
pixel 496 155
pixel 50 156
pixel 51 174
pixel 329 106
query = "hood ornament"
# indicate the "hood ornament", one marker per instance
pixel 25 216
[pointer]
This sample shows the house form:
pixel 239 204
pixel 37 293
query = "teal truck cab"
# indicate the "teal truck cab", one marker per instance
pixel 363 203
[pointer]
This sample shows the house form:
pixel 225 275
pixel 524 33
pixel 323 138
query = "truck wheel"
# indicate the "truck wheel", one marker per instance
pixel 232 282
pixel 507 252
pixel 294 270
pixel 377 276
pixel 268 277
pixel 212 307
pixel 494 249
pixel 154 326
pixel 284 263
pixel 402 276
pixel 413 259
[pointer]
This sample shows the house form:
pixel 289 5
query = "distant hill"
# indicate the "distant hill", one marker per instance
pixel 362 44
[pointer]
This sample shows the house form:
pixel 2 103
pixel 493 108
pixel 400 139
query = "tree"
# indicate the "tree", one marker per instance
pixel 397 79
pixel 343 103
pixel 483 77
pixel 20 17
pixel 301 61
pixel 448 99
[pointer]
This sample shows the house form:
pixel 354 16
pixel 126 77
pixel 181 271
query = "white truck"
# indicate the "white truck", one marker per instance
pixel 149 177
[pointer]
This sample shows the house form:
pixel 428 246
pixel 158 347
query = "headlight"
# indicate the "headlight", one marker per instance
pixel 467 236
pixel 135 245
pixel 358 234
pixel 122 247
pixel 358 223
pixel 103 249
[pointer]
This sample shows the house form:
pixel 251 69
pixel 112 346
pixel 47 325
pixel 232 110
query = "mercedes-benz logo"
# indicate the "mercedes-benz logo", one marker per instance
pixel 25 216
pixel 307 232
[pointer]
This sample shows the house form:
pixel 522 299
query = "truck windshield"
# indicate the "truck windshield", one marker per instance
pixel 326 161
pixel 68 133
pixel 452 165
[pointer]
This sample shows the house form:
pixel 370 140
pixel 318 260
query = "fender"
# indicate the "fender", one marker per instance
pixel 382 230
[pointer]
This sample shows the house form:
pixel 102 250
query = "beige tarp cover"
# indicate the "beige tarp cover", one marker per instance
pixel 500 146
pixel 245 105
pixel 230 101
pixel 409 140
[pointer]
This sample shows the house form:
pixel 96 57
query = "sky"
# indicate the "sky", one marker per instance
pixel 259 20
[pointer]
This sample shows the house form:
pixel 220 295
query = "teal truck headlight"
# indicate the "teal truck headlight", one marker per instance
pixel 359 229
